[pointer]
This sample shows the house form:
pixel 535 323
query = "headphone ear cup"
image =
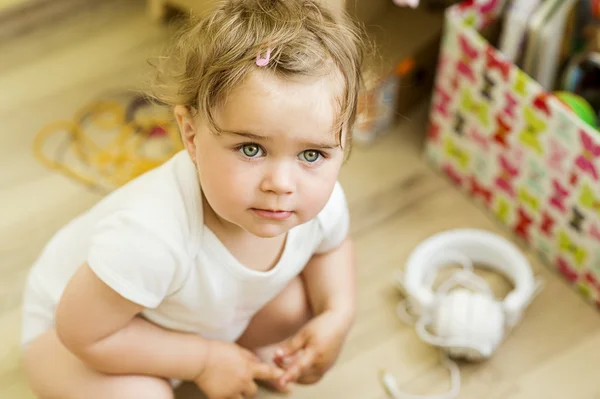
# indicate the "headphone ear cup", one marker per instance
pixel 471 323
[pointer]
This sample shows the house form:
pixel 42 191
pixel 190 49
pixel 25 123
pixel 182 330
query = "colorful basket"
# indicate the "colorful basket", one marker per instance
pixel 516 149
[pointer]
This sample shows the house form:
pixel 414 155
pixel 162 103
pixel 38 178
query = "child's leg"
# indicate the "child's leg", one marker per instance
pixel 279 319
pixel 55 373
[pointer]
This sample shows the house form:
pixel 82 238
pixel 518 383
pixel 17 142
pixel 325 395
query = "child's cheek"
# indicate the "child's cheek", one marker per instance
pixel 316 194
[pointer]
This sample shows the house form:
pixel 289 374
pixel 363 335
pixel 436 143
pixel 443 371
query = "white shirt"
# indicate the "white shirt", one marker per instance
pixel 147 241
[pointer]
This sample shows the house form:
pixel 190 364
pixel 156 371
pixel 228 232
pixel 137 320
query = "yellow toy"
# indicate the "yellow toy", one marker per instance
pixel 109 142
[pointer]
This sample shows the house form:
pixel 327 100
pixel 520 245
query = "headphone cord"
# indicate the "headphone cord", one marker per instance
pixel 390 383
pixel 465 277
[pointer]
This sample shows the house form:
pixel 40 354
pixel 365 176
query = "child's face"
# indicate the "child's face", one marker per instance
pixel 277 165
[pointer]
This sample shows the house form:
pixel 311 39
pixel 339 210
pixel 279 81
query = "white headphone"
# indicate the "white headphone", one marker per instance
pixel 465 323
pixel 463 319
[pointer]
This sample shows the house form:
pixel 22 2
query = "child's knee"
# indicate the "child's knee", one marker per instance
pixel 292 307
pixel 280 318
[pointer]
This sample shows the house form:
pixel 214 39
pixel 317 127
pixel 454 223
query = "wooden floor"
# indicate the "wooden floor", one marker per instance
pixel 396 201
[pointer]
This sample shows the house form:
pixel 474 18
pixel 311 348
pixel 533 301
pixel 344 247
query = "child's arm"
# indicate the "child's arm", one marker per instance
pixel 329 276
pixel 330 280
pixel 99 326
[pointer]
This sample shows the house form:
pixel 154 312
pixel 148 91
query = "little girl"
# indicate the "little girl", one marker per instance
pixel 230 263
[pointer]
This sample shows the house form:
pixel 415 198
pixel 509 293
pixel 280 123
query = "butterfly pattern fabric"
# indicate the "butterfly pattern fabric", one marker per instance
pixel 516 150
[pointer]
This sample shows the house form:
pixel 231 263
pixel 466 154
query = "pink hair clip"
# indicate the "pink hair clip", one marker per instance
pixel 260 61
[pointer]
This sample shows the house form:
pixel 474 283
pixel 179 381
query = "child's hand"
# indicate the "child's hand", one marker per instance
pixel 229 372
pixel 309 354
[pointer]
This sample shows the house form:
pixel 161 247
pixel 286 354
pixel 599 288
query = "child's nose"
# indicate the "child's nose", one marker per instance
pixel 278 179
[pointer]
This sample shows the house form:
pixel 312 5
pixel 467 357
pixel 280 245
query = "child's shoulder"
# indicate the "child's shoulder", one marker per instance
pixel 165 199
pixel 336 205
pixel 334 219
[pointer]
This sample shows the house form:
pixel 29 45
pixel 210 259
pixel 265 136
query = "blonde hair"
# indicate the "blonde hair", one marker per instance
pixel 216 52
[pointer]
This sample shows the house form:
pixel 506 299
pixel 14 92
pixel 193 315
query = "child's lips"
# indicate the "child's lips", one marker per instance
pixel 272 214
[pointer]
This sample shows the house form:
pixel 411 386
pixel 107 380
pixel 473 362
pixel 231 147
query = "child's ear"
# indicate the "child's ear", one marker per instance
pixel 187 129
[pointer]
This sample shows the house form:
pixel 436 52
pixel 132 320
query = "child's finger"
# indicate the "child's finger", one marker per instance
pixel 291 346
pixel 301 363
pixel 263 371
pixel 282 362
pixel 251 356
pixel 309 377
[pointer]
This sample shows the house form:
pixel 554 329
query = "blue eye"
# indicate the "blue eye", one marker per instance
pixel 251 150
pixel 310 156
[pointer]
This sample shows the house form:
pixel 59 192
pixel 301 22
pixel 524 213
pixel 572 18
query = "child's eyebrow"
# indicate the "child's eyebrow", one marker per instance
pixel 251 136
pixel 321 145
pixel 258 137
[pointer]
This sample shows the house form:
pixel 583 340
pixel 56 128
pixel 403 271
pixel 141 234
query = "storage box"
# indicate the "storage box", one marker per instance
pixel 515 149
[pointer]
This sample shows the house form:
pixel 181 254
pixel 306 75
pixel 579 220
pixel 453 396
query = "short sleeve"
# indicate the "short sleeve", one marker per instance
pixel 334 220
pixel 132 259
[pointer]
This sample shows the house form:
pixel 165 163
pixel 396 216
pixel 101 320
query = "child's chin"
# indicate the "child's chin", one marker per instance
pixel 268 231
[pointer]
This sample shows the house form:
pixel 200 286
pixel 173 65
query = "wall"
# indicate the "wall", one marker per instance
pixel 367 10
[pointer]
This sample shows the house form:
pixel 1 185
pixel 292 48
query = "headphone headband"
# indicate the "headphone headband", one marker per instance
pixel 479 246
